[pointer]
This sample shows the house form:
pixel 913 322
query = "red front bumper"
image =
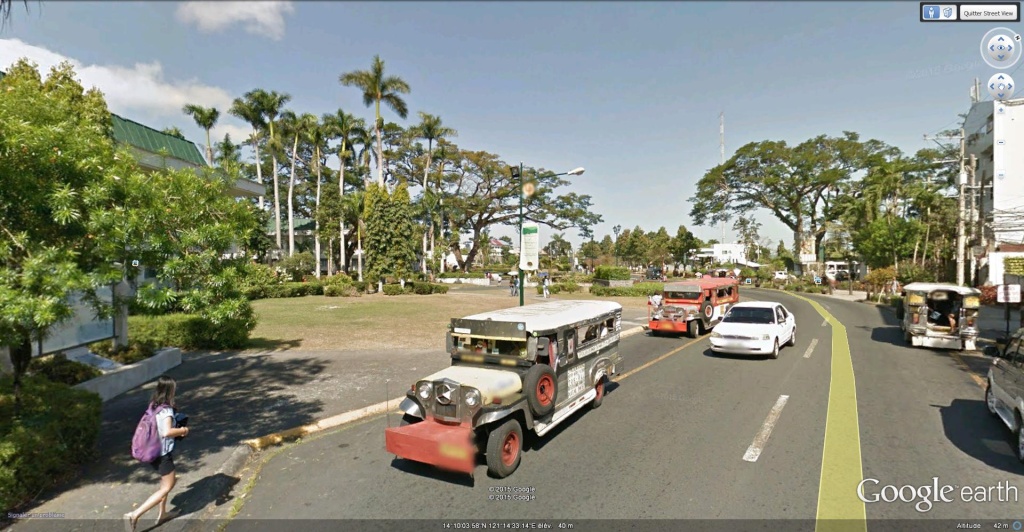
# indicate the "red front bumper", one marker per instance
pixel 444 446
pixel 667 325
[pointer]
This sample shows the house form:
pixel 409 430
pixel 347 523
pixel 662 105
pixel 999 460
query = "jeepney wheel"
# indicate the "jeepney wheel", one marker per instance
pixel 541 389
pixel 599 388
pixel 505 449
pixel 907 337
pixel 693 328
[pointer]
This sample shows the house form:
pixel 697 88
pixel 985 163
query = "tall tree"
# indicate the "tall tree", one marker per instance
pixel 378 87
pixel 296 127
pixel 390 245
pixel 681 245
pixel 317 136
pixel 271 104
pixel 206 118
pixel 248 109
pixel 800 185
pixel 353 210
pixel 430 129
pixel 5 11
pixel 346 128
pixel 748 230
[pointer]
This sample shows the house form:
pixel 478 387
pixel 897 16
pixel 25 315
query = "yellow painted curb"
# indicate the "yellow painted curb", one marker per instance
pixel 292 434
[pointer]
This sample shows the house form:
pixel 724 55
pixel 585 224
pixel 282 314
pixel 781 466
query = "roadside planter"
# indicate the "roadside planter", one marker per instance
pixel 114 383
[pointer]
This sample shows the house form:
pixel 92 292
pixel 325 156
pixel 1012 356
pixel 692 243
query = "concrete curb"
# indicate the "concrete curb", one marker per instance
pixel 277 438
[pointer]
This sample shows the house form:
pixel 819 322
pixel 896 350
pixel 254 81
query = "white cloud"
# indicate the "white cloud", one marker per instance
pixel 239 134
pixel 141 89
pixel 260 18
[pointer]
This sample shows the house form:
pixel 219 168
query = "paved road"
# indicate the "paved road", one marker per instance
pixel 678 436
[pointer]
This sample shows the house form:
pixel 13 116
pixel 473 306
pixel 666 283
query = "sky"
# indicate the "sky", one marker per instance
pixel 630 91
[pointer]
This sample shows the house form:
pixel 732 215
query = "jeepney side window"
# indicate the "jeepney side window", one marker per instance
pixel 570 346
pixel 608 327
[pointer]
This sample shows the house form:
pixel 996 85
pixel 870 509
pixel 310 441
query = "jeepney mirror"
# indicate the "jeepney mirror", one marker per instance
pixel 542 347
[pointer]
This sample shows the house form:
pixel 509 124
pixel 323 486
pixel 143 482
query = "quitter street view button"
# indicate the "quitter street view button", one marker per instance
pixel 990 12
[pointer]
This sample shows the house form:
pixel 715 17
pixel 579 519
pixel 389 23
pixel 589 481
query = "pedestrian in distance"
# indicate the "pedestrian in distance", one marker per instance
pixel 547 283
pixel 163 404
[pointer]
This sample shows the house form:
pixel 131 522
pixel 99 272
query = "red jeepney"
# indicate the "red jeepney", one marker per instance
pixel 692 306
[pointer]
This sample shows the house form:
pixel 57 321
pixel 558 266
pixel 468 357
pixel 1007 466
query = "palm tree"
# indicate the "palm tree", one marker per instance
pixel 206 118
pixel 365 142
pixel 270 105
pixel 430 129
pixel 378 88
pixel 297 127
pixel 228 152
pixel 248 109
pixel 346 128
pixel 5 9
pixel 174 132
pixel 317 136
pixel 352 207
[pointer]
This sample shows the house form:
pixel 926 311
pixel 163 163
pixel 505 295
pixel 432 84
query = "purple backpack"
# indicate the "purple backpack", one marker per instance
pixel 147 444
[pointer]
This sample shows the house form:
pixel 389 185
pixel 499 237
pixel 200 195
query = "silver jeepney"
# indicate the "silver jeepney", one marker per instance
pixel 516 369
pixel 925 310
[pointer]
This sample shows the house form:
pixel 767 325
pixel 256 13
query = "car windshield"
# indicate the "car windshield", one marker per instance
pixel 750 315
pixel 682 295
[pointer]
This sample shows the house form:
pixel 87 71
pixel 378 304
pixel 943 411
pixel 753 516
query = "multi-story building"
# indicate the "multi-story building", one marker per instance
pixel 723 253
pixel 995 214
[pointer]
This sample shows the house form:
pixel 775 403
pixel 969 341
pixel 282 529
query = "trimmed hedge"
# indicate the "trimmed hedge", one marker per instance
pixel 55 434
pixel 637 290
pixel 612 273
pixel 560 288
pixel 461 275
pixel 57 368
pixel 188 331
pixel 421 288
pixel 290 289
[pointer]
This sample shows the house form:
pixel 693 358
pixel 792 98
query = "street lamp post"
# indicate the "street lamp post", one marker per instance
pixel 518 172
pixel 615 245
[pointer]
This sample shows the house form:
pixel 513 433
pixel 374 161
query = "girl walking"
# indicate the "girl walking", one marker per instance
pixel 163 398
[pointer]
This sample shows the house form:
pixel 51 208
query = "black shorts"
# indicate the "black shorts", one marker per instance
pixel 164 464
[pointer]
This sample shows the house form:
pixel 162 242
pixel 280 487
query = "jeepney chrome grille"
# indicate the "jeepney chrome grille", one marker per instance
pixel 448 411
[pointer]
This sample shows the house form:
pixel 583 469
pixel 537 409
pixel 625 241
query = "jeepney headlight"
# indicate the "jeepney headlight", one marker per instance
pixel 472 398
pixel 424 390
pixel 716 334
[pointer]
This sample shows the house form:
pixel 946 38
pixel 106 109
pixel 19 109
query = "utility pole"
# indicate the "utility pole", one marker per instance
pixel 960 230
pixel 972 166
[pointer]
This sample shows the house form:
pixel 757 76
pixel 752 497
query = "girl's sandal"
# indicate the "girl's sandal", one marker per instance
pixel 130 523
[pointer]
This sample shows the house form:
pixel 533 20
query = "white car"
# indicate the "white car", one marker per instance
pixel 782 275
pixel 755 328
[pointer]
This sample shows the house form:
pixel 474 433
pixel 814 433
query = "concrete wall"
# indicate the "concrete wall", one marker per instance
pixel 129 377
pixel 1008 185
pixel 479 282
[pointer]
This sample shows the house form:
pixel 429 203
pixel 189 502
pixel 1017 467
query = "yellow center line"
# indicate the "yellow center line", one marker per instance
pixel 839 508
pixel 655 361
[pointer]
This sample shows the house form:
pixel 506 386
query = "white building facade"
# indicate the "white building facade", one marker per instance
pixel 995 136
pixel 722 253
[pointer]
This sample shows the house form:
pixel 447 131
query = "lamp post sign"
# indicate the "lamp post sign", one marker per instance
pixel 529 256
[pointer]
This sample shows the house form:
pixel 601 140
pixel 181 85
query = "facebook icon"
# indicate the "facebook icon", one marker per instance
pixel 930 12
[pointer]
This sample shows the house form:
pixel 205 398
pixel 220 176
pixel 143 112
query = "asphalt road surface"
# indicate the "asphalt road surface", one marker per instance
pixel 686 434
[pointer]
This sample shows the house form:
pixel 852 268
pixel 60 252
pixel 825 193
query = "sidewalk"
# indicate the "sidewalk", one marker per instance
pixel 230 397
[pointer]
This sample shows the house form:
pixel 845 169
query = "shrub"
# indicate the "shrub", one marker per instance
pixel 989 295
pixel 408 290
pixel 423 289
pixel 637 290
pixel 135 351
pixel 393 290
pixel 55 434
pixel 298 265
pixel 439 288
pixel 361 286
pixel 337 279
pixel 612 273
pixel 568 287
pixel 256 279
pixel 190 331
pixel 911 273
pixel 461 275
pixel 57 368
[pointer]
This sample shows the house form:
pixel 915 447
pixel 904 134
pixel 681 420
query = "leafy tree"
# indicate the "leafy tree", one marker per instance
pixel 480 192
pixel 206 118
pixel 592 250
pixel 682 243
pixel 174 132
pixel 658 249
pixel 748 229
pixel 799 185
pixel 607 245
pixel 378 87
pixel 431 129
pixel 390 244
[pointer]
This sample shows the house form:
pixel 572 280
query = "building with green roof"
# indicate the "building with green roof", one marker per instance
pixel 156 150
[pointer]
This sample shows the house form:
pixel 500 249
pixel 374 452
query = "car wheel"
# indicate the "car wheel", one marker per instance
pixel 599 387
pixel 505 449
pixel 792 338
pixel 990 400
pixel 1020 438
pixel 775 350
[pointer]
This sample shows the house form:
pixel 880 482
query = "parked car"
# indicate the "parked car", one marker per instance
pixel 1004 394
pixel 755 328
pixel 781 275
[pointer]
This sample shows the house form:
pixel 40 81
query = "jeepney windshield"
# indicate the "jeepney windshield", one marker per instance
pixel 489 346
pixel 683 295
